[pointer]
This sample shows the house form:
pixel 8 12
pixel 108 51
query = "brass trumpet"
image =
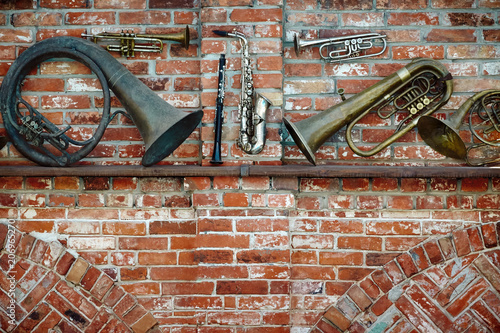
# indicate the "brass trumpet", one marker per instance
pixel 344 48
pixel 131 42
pixel 443 136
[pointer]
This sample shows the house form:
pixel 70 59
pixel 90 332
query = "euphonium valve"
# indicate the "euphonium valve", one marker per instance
pixel 419 88
pixel 162 126
pixel 443 136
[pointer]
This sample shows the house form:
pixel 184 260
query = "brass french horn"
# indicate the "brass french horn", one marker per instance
pixel 162 126
pixel 419 88
pixel 443 136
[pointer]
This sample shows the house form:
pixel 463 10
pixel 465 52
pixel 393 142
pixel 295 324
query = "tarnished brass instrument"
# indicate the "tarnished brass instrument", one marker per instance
pixel 443 136
pixel 252 115
pixel 343 48
pixel 129 42
pixel 419 88
pixel 162 126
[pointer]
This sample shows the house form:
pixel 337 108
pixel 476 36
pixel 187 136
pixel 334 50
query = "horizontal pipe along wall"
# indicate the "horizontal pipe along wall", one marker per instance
pixel 404 240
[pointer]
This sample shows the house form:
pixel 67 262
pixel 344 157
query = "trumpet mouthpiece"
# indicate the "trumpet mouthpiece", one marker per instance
pixel 220 33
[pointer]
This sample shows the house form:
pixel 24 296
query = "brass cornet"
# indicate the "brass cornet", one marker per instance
pixel 343 48
pixel 129 42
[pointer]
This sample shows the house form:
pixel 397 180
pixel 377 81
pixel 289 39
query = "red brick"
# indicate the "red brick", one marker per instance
pixel 394 272
pixel 197 272
pixel 489 235
pixel 340 258
pixel 468 297
pixel 408 309
pixel 40 291
pixel 242 287
pixel 461 239
pixel 187 288
pixel 381 305
pixel 210 240
pixel 144 324
pixel 419 257
pixel 256 15
pixel 360 243
pixel 143 243
pixel 488 318
pixel 359 297
pixel 489 271
pixel 134 273
pixel 114 296
pixel 64 263
pixel 407 264
pixel 123 228
pixel 205 256
pixel 355 184
pixel 337 318
pixel 326 327
pixel 312 272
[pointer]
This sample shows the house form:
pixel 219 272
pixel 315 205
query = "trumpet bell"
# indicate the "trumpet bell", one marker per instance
pixel 442 137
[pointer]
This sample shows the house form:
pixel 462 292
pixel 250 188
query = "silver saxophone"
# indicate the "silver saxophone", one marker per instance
pixel 252 115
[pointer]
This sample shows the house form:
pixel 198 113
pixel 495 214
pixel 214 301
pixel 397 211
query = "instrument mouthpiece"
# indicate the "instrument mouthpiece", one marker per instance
pixel 220 33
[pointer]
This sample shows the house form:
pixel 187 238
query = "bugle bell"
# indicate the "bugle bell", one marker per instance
pixel 443 135
pixel 162 126
pixel 419 88
pixel 130 42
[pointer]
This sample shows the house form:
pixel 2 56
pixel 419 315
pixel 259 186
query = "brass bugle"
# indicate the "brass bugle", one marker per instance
pixel 344 48
pixel 129 42
pixel 422 87
pixel 443 135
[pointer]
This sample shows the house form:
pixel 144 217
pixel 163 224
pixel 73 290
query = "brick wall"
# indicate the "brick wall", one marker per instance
pixel 251 254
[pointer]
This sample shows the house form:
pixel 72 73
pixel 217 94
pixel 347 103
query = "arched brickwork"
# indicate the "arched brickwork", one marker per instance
pixel 451 284
pixel 55 289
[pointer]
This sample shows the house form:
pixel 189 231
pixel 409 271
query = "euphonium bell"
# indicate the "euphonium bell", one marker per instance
pixel 162 126
pixel 443 135
pixel 420 88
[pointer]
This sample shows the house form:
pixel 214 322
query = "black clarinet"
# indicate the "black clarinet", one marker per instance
pixel 219 116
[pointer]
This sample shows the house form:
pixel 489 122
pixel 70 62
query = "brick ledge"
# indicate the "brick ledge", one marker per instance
pixel 329 171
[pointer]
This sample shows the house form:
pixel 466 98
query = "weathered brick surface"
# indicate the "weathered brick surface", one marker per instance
pixel 231 254
pixel 433 299
pixel 54 297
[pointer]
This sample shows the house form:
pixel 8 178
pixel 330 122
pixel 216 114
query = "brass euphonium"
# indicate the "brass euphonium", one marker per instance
pixel 130 42
pixel 443 136
pixel 419 88
pixel 162 126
